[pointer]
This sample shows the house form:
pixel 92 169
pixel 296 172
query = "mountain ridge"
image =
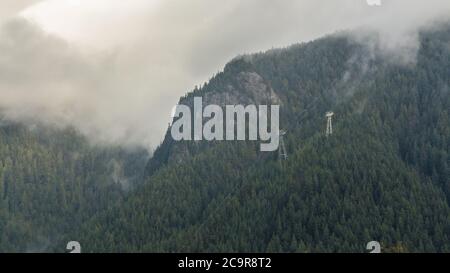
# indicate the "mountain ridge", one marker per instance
pixel 384 174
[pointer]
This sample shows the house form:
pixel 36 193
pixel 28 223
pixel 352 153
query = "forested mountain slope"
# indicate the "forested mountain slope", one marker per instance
pixel 52 180
pixel 384 175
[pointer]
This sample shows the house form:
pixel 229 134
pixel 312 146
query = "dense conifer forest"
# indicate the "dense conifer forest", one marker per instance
pixel 383 175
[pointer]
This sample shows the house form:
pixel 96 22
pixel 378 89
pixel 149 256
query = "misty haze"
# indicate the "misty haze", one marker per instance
pixel 87 88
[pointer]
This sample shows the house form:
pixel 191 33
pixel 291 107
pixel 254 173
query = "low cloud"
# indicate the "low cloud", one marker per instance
pixel 44 79
pixel 9 8
pixel 115 73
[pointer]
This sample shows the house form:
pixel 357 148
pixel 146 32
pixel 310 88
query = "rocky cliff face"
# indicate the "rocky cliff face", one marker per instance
pixel 250 88
pixel 246 88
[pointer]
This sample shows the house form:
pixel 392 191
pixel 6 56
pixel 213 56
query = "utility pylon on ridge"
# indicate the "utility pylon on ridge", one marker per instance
pixel 282 149
pixel 329 117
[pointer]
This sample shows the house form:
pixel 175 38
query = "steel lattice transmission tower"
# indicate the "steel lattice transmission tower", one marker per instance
pixel 282 149
pixel 329 116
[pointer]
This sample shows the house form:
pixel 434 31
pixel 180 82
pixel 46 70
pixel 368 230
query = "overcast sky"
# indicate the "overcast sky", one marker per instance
pixel 115 68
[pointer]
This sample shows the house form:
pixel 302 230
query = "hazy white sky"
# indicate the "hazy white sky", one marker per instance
pixel 115 68
pixel 92 22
